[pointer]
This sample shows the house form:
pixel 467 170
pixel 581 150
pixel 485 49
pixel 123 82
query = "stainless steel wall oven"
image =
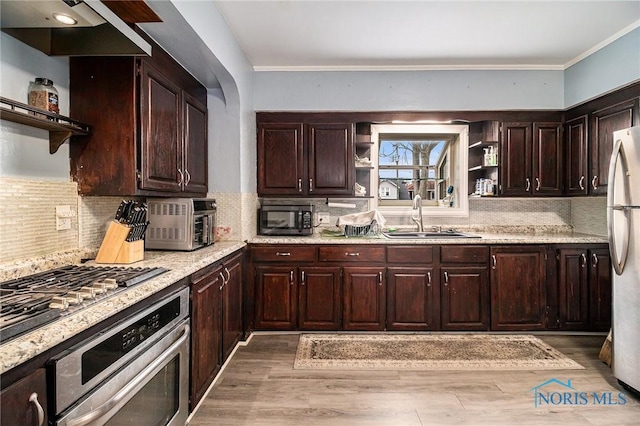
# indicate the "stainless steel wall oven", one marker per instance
pixel 134 373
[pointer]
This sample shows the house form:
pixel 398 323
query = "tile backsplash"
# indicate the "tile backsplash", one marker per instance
pixel 28 221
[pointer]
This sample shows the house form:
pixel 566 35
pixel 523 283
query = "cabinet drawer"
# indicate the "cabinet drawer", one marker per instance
pixel 359 253
pixel 464 254
pixel 297 253
pixel 410 254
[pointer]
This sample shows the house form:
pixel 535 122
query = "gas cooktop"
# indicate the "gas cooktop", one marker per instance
pixel 34 300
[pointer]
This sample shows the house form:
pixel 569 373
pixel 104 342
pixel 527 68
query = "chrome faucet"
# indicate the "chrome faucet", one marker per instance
pixel 417 205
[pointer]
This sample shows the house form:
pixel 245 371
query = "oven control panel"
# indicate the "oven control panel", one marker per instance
pixel 139 332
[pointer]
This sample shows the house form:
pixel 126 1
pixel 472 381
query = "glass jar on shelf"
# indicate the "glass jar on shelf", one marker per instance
pixel 43 95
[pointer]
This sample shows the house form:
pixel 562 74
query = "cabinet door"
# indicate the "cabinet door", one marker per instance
pixel 275 298
pixel 19 406
pixel 412 299
pixel 161 132
pixel 364 298
pixel 604 123
pixel 547 159
pixel 280 159
pixel 330 159
pixel 518 293
pixel 319 301
pixel 515 159
pixel 194 168
pixel 573 290
pixel 465 298
pixel 577 174
pixel 206 347
pixel 231 305
pixel 600 289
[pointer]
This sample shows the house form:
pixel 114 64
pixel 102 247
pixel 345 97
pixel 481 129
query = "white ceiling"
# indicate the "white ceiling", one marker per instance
pixel 424 34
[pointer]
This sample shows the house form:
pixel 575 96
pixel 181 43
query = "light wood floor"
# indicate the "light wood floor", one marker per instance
pixel 260 387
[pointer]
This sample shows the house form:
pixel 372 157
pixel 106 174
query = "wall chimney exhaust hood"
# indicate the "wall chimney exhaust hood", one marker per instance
pixel 98 31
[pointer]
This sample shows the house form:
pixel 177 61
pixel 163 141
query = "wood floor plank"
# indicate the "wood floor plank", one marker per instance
pixel 260 387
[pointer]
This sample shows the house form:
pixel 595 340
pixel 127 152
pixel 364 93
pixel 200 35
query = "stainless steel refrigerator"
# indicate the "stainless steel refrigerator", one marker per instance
pixel 623 220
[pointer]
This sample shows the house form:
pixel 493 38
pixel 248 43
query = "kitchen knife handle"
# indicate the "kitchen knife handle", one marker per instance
pixel 581 183
pixel 181 177
pixel 188 176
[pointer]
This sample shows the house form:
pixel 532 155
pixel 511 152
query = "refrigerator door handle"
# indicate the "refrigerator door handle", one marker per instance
pixel 618 261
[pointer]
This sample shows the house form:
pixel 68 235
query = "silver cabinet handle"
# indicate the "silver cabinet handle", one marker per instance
pixel 188 175
pixel 494 261
pixel 181 177
pixel 226 270
pixel 303 278
pixel 291 278
pixel 537 184
pixel 583 260
pixel 299 185
pixel 446 278
pixel 310 184
pixel 581 183
pixel 223 281
pixel 283 253
pixel 33 398
pixel 352 254
pixel 594 182
pixel 428 279
pixel 594 260
pixel 528 187
pixel 380 278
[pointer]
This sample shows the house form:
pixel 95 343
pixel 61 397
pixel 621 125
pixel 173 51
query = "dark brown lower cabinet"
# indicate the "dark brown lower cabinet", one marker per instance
pixel 206 349
pixel 600 301
pixel 19 402
pixel 573 289
pixel 364 298
pixel 276 297
pixel 232 325
pixel 412 299
pixel 518 287
pixel 319 306
pixel 464 298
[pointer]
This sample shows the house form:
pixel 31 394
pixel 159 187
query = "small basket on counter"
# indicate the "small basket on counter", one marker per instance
pixel 366 224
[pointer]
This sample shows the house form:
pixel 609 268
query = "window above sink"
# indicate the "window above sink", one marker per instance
pixel 429 160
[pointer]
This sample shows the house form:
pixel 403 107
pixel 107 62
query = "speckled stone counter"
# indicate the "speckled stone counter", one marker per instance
pixel 485 238
pixel 180 264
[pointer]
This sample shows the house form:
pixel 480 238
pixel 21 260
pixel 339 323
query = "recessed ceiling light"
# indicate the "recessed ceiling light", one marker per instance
pixel 64 19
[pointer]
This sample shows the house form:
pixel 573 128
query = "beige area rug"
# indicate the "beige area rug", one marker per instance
pixel 428 352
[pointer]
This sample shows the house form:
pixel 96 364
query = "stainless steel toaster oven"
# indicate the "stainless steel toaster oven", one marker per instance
pixel 180 223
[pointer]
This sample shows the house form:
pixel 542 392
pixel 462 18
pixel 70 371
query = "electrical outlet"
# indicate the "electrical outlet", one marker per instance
pixel 323 218
pixel 63 217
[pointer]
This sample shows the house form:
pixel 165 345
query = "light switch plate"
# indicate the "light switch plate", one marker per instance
pixel 63 217
pixel 323 218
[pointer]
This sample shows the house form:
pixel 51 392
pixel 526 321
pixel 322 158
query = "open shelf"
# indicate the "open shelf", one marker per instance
pixel 60 128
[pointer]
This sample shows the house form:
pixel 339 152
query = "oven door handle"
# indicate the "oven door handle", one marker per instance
pixel 92 416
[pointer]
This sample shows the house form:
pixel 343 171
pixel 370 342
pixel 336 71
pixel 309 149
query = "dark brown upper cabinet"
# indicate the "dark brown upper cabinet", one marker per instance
pixel 149 121
pixel 577 164
pixel 531 159
pixel 298 159
pixel 603 123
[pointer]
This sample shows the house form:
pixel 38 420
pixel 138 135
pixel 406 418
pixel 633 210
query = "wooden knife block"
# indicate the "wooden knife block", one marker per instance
pixel 115 248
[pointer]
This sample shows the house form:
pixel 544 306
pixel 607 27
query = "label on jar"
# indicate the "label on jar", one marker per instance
pixel 52 101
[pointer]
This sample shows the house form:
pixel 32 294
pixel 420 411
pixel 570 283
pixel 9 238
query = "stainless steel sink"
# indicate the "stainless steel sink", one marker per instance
pixel 426 235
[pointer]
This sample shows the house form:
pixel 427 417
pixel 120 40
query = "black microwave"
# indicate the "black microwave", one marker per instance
pixel 285 220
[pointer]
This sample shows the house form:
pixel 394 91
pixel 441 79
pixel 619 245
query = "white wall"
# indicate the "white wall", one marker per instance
pixel 408 90
pixel 609 68
pixel 24 151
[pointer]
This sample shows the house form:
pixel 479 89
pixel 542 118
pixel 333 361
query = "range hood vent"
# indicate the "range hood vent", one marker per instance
pixel 99 31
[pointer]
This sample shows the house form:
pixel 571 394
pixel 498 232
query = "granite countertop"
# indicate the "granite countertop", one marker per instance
pixel 486 237
pixel 180 264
